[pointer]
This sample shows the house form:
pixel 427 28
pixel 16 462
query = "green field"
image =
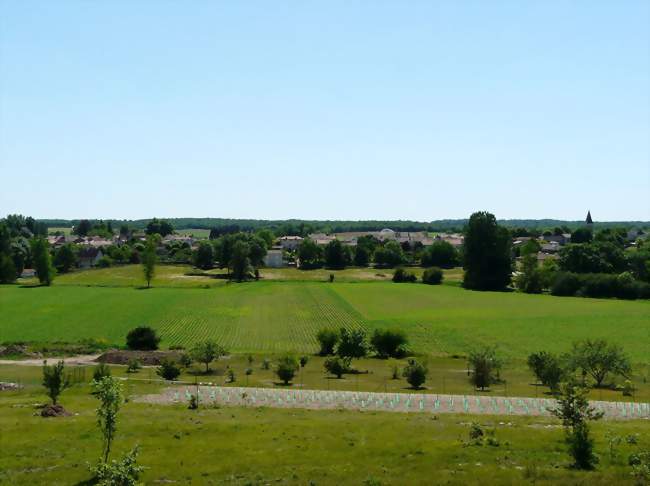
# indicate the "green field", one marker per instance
pixel 261 446
pixel 285 315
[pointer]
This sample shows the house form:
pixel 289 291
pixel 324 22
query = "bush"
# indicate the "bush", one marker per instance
pixel 415 373
pixel 133 366
pixel 142 338
pixel 389 343
pixel 432 276
pixel 124 472
pixel 266 364
pixel 168 370
pixel 286 368
pixel 105 262
pixel 101 371
pixel 336 366
pixel 327 339
pixel 565 284
pixel 352 344
pixel 600 285
pixel 402 276
pixel 304 360
pixel 547 368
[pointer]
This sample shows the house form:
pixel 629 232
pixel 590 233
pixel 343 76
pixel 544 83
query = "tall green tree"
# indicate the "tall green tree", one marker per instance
pixel 42 261
pixel 204 255
pixel 240 263
pixel 149 259
pixel 310 255
pixel 440 254
pixel 336 255
pixel 65 258
pixel 487 254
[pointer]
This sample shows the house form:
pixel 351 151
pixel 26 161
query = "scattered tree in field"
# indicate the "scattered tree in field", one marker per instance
pixel 327 339
pixel 286 368
pixel 240 263
pixel 574 411
pixel 55 380
pixel 389 255
pixel 7 269
pixel 310 255
pixel 529 280
pixel 337 366
pixel 149 260
pixel 440 254
pixel 415 373
pixel 401 275
pixel 336 255
pixel 547 369
pixel 101 371
pixel 65 258
pixel 204 256
pixel 389 343
pixel 486 366
pixel 487 254
pixel 598 359
pixel 142 338
pixel 206 352
pixel 304 359
pixel 432 276
pixel 42 261
pixel 352 343
pixel 108 391
pixel 362 255
pixel 168 370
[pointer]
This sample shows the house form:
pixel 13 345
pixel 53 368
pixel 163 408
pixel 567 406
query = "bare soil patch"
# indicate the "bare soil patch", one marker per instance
pixel 146 358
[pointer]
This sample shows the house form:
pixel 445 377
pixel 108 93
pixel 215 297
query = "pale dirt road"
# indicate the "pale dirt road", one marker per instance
pixel 83 359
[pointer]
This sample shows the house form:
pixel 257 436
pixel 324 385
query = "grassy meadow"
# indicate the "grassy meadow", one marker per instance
pixel 291 446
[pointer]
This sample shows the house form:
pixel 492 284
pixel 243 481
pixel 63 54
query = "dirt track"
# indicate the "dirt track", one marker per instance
pixel 389 402
pixel 83 359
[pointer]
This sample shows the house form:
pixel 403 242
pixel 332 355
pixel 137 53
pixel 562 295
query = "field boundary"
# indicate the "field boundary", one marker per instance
pixel 387 402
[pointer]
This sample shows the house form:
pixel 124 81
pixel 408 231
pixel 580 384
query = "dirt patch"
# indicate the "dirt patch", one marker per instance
pixel 17 350
pixel 146 358
pixel 54 411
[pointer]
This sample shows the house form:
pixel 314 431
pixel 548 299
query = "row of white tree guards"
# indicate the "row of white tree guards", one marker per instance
pixel 398 402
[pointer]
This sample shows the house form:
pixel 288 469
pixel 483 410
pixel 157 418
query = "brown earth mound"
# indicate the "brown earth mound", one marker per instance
pixel 54 411
pixel 146 358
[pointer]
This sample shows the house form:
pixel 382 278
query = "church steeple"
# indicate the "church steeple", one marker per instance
pixel 589 221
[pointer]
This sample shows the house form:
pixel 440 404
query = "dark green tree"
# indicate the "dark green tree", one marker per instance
pixel 440 254
pixel 204 255
pixel 352 343
pixel 389 255
pixel 581 235
pixel 486 366
pixel 240 263
pixel 310 255
pixel 327 339
pixel 487 254
pixel 65 258
pixel 336 255
pixel 42 261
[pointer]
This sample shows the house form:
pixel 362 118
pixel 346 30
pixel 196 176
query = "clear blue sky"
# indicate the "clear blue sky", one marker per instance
pixel 325 110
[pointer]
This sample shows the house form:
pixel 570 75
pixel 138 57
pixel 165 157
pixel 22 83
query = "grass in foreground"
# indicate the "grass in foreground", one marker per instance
pixel 259 446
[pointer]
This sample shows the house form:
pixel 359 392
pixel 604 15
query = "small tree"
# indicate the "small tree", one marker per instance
pixel 142 338
pixel 389 342
pixel 149 259
pixel 336 366
pixel 55 380
pixel 100 371
pixel 168 370
pixel 574 411
pixel 547 369
pixel 530 278
pixel 598 359
pixel 206 352
pixel 328 339
pixel 42 261
pixel 415 373
pixel 432 276
pixel 304 360
pixel 486 366
pixel 352 344
pixel 108 391
pixel 286 368
pixel 401 276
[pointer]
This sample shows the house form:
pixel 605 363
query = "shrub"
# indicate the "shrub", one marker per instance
pixel 628 388
pixel 432 276
pixel 547 368
pixel 395 372
pixel 565 284
pixel 352 344
pixel 193 402
pixel 266 364
pixel 304 360
pixel 133 366
pixel 54 380
pixel 336 366
pixel 185 360
pixel 142 338
pixel 231 375
pixel 600 285
pixel 168 370
pixel 327 339
pixel 286 368
pixel 105 262
pixel 415 373
pixel 389 343
pixel 124 472
pixel 101 371
pixel 486 366
pixel 401 276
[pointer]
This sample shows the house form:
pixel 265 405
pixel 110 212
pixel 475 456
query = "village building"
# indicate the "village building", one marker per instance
pixel 290 242
pixel 89 256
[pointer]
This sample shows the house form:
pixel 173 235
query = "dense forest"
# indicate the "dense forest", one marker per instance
pixel 298 226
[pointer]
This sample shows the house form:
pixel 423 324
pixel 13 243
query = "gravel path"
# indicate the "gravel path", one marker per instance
pixel 82 359
pixel 389 402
